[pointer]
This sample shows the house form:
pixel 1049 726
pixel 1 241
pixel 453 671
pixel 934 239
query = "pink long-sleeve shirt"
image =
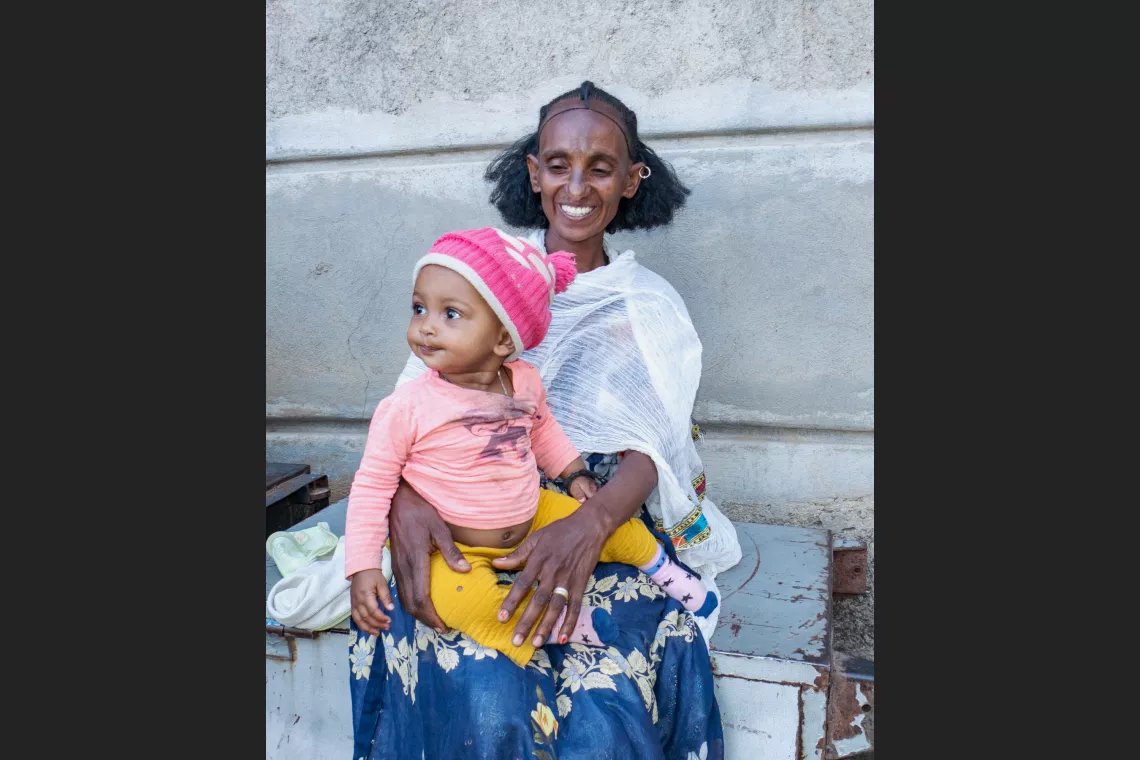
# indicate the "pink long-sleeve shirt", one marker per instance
pixel 471 454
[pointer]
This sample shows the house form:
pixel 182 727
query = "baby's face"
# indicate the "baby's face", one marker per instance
pixel 453 329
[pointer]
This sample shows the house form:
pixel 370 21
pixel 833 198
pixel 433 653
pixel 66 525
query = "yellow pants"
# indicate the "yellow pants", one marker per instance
pixel 470 602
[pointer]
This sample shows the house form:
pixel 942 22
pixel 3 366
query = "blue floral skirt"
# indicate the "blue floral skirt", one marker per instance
pixel 419 694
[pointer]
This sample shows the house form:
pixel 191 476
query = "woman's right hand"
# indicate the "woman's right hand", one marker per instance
pixel 415 529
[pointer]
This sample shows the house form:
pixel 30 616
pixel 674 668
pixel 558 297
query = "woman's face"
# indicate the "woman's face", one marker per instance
pixel 582 171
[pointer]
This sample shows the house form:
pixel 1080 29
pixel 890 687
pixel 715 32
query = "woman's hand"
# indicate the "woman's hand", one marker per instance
pixel 415 529
pixel 564 554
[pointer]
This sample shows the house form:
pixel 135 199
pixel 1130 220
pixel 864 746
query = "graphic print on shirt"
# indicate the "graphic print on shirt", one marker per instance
pixel 503 437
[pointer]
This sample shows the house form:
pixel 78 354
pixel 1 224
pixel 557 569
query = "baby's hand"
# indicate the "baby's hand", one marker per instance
pixel 583 488
pixel 366 586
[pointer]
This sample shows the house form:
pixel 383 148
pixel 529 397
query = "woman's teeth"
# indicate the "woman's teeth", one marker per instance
pixel 576 212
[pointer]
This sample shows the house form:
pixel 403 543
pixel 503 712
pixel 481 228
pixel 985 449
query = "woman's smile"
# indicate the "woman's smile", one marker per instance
pixel 576 213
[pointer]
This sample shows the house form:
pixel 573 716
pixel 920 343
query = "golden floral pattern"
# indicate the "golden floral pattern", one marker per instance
pixel 545 719
pixel 544 724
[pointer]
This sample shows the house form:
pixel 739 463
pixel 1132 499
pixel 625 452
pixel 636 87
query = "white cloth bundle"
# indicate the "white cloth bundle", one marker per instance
pixel 314 597
pixel 621 363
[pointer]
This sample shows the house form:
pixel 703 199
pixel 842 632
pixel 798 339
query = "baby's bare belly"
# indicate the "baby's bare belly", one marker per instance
pixel 493 538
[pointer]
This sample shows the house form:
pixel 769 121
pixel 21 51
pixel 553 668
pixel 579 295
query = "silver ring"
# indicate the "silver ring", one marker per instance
pixel 561 592
pixel 644 172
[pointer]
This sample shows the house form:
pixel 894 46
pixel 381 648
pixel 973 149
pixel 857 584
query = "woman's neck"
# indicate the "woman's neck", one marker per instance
pixel 589 254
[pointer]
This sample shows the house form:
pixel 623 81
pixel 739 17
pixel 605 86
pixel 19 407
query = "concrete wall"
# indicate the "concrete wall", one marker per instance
pixel 381 117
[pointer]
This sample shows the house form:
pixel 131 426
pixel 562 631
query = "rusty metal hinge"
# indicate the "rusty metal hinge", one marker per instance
pixel 848 566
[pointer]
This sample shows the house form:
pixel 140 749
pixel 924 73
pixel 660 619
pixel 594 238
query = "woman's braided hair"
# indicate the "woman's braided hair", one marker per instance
pixel 658 197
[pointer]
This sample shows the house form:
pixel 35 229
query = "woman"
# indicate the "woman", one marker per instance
pixel 621 365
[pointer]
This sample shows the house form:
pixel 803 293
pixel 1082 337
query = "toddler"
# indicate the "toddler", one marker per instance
pixel 467 436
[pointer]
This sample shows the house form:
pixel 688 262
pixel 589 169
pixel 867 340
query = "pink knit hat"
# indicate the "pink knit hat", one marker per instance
pixel 516 280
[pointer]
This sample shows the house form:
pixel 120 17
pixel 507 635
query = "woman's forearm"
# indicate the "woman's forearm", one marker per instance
pixel 623 495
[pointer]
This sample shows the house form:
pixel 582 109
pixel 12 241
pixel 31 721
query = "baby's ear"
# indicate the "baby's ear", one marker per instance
pixel 506 345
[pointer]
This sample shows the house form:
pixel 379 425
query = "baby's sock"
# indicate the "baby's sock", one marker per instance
pixel 680 584
pixel 595 627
